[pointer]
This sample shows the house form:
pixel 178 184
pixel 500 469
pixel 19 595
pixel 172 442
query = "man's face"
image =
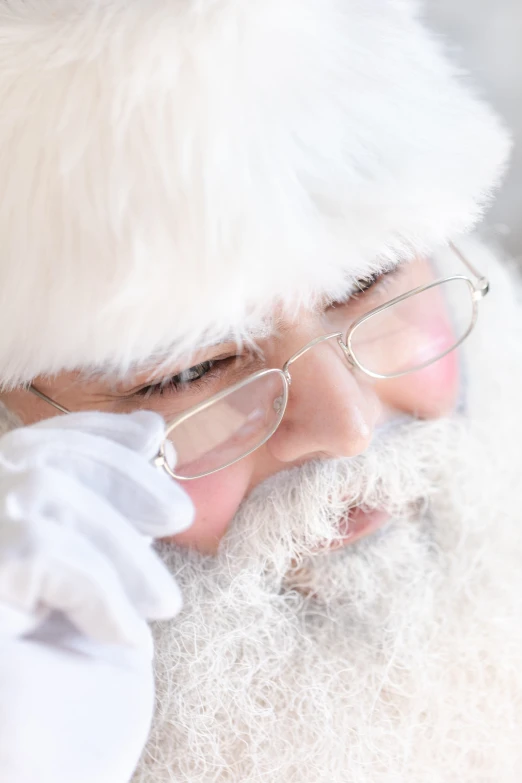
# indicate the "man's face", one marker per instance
pixel 332 412
pixel 297 659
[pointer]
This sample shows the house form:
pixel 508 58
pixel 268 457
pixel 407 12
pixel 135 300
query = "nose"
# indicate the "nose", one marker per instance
pixel 332 410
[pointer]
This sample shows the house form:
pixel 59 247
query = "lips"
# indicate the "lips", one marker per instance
pixel 356 524
pixel 359 523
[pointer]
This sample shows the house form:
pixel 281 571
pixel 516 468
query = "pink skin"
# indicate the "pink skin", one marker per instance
pixel 216 499
pixel 429 393
pixel 332 412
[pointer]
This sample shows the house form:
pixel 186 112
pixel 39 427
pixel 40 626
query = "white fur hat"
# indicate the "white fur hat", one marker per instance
pixel 170 169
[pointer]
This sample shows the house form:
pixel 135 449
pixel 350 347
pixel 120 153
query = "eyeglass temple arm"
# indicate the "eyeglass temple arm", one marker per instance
pixel 47 399
pixel 482 284
pixel 158 461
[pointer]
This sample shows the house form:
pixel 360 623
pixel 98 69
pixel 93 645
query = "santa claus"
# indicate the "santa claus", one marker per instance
pixel 260 400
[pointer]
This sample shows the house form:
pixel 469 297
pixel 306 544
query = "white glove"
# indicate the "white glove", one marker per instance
pixel 80 503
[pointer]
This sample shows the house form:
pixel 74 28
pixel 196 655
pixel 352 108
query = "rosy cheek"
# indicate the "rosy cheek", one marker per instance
pixel 434 391
pixel 427 393
pixel 216 499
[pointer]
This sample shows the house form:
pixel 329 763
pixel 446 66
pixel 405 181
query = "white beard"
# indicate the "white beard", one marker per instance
pixel 396 659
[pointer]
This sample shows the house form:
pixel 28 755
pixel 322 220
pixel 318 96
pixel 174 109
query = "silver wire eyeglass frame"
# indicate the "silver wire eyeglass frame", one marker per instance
pixel 478 290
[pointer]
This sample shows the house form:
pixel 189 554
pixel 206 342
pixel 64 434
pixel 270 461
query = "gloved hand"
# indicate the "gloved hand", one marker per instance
pixel 80 503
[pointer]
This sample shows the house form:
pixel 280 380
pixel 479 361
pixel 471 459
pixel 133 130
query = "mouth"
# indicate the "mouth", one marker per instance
pixel 354 525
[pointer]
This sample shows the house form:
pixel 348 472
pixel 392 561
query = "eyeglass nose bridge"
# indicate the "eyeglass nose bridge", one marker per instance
pixel 316 341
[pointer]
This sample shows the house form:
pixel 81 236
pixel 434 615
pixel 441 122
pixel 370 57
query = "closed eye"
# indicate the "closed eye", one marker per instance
pixel 373 282
pixel 365 283
pixel 194 377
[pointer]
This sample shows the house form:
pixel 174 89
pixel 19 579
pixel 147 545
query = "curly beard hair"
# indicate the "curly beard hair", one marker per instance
pixel 394 659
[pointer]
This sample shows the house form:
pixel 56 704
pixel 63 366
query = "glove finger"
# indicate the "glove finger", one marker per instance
pixel 68 574
pixel 70 506
pixel 16 622
pixel 82 584
pixel 140 491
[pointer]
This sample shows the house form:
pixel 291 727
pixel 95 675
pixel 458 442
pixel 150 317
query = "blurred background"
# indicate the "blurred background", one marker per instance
pixel 485 36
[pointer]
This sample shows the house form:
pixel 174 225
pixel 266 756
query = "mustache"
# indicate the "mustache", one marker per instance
pixel 279 527
pixel 292 512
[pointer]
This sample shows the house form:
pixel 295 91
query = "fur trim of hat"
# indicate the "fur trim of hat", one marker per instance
pixel 170 171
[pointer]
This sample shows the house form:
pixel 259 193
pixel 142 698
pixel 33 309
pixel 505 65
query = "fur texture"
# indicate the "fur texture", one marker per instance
pixel 171 170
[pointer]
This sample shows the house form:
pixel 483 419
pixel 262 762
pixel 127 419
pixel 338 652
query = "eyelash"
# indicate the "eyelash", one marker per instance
pixel 176 382
pixel 212 367
pixel 365 283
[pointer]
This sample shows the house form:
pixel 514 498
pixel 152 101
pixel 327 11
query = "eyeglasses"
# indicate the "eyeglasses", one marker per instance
pixel 403 335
